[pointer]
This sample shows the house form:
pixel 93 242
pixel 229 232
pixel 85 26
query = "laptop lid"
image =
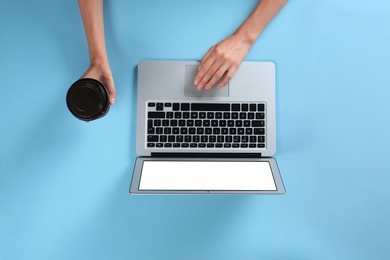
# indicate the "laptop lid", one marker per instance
pixel 164 87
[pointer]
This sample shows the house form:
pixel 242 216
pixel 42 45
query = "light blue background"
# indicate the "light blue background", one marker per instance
pixel 64 183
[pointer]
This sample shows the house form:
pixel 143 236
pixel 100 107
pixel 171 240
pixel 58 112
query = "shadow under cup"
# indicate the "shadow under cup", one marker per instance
pixel 88 99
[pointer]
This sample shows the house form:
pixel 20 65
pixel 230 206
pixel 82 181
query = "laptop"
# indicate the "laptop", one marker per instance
pixel 217 141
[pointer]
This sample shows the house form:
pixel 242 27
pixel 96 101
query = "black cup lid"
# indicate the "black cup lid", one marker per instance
pixel 88 99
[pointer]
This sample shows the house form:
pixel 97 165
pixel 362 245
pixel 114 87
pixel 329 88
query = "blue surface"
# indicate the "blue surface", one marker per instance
pixel 64 183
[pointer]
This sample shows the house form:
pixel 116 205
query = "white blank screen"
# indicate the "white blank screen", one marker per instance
pixel 208 175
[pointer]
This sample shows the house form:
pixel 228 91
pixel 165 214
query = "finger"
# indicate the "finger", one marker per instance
pixel 204 66
pixel 207 55
pixel 228 77
pixel 111 90
pixel 208 76
pixel 216 77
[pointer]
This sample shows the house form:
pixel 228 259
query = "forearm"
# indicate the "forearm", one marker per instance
pixel 260 17
pixel 92 16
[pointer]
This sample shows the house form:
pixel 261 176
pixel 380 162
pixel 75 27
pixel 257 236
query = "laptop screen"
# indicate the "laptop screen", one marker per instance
pixel 207 175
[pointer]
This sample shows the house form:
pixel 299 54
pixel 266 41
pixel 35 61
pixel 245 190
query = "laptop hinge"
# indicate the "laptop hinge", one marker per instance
pixel 208 155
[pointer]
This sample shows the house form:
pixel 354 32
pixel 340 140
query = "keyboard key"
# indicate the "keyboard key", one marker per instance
pixel 210 107
pixel 177 115
pixel 260 107
pixel 160 106
pixel 258 131
pixel 152 138
pixel 260 115
pixel 157 122
pixel 153 115
pixel 252 107
pixel 175 130
pixel 159 130
pixel 235 107
pixel 169 115
pixel 185 106
pixel 199 130
pixel 194 115
pixel 244 107
pixel 176 107
pixel 151 104
pixel 212 139
pixel 258 123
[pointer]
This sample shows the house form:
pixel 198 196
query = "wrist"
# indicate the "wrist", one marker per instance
pixel 245 37
pixel 98 60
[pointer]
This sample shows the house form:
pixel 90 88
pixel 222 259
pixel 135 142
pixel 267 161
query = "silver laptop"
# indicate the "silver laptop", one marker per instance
pixel 217 141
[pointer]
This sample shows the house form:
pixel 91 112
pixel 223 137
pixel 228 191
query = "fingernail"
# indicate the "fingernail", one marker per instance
pixel 196 82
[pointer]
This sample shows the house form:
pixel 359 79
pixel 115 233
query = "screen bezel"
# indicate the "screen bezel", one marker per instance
pixel 135 182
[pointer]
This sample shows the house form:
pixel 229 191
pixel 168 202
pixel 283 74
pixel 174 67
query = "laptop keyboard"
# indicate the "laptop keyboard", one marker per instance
pixel 206 125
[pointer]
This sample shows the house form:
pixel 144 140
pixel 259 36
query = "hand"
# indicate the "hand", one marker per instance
pixel 102 73
pixel 221 61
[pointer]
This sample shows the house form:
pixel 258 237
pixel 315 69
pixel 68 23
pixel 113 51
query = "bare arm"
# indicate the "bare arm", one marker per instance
pixel 223 59
pixel 92 15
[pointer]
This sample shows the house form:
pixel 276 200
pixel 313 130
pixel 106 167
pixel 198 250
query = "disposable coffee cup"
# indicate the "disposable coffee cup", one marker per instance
pixel 88 99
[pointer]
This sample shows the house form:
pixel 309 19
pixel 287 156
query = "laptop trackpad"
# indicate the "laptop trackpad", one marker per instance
pixel 190 89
